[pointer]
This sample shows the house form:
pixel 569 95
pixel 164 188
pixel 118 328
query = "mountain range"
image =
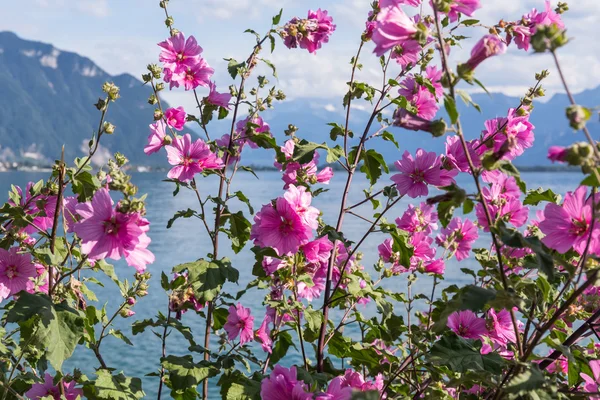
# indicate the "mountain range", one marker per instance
pixel 47 97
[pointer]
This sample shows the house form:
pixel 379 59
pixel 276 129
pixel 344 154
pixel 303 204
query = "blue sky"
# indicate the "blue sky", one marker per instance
pixel 121 36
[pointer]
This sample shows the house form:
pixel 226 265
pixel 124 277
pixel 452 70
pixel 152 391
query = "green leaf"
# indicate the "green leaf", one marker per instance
pixel 466 98
pixel 450 106
pixel 270 65
pixel 277 18
pixel 463 356
pixel 119 335
pixel 282 344
pixel 527 381
pixel 470 297
pixel 239 231
pixel 233 66
pixel 338 130
pixel 445 211
pixel 535 197
pixel 373 165
pixel 54 328
pixel 207 278
pixel 468 206
pixel 387 136
pixel 469 22
pixel 242 197
pixel 185 374
pixel 513 238
pixel 113 387
pixel 189 213
pixel 248 169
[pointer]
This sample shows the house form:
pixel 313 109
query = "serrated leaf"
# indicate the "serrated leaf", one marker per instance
pixel 373 165
pixel 114 387
pixel 535 197
pixel 54 328
pixel 462 356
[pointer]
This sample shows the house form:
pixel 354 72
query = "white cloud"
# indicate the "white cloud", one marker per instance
pixel 329 107
pixel 97 8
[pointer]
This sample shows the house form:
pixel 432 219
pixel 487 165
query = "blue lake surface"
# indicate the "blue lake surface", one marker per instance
pixel 187 241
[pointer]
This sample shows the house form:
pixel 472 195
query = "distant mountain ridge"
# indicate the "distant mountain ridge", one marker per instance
pixel 47 97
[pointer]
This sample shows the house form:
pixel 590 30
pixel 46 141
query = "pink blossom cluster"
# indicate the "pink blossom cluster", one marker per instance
pixel 283 383
pixel 106 232
pixel 457 7
pixel 422 99
pixel 508 137
pixel 47 389
pixel 40 207
pixel 308 33
pixel 522 30
pixel 502 197
pixel 245 130
pixel 496 326
pixel 420 223
pixel 287 223
pixel 295 173
pixel 182 63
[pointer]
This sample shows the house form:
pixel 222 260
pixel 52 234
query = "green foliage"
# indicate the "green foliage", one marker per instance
pixel 108 386
pixel 462 355
pixel 53 329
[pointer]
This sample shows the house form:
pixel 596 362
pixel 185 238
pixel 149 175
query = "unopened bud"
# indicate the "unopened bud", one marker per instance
pixel 112 90
pixel 158 114
pixel 108 128
pixel 130 301
pixel 578 116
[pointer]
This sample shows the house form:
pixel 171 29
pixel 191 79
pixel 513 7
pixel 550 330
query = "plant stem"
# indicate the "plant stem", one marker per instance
pixel 164 354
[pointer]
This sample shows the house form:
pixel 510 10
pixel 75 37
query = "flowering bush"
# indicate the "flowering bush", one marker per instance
pixel 524 328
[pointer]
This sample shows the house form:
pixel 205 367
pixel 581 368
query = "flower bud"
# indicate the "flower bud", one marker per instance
pixel 542 75
pixel 158 114
pixel 160 86
pixel 152 99
pixel 130 301
pixel 101 105
pixel 112 90
pixel 578 116
pixel 108 128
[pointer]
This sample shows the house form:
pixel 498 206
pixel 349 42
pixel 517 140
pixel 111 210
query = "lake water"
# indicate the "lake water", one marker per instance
pixel 186 241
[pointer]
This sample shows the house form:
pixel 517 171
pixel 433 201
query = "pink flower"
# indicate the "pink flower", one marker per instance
pixel 407 53
pixel 591 383
pixel 257 125
pixel 300 200
pixel 280 227
pixel 458 237
pixel 175 117
pixel 466 7
pixel 435 267
pixel 418 219
pixel 38 284
pixel 418 172
pixel 190 158
pixel 511 136
pixel 511 211
pixel 466 324
pixel 106 233
pixel 263 334
pixel 570 225
pixel 546 18
pixel 557 153
pixel 272 265
pixel 47 388
pixel 156 139
pixel 198 75
pixel 357 381
pixel 178 53
pixel 522 35
pixel 455 154
pixel 309 33
pixel 318 250
pixel 283 384
pixel 70 213
pixel 392 28
pixel 335 391
pixel 425 103
pixel 500 327
pixel 15 271
pixel 488 46
pixel 239 323
pixel 216 98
